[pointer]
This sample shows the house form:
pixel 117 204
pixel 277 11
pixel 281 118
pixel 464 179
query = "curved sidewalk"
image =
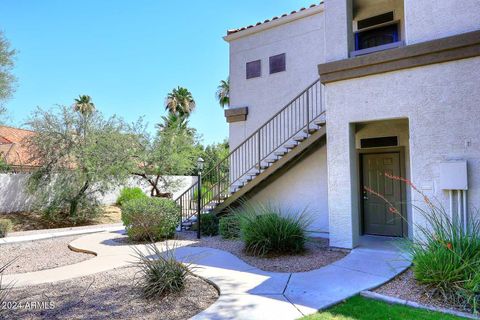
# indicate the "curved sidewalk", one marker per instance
pixel 246 292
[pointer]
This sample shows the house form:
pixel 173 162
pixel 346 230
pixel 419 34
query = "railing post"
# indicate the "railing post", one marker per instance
pixel 259 145
pixel 308 113
pixel 199 202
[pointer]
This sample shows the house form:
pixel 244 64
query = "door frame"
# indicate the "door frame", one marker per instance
pixel 403 189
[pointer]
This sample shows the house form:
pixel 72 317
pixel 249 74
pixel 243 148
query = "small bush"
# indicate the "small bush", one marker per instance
pixel 207 194
pixel 229 226
pixel 266 229
pixel 150 219
pixel 5 227
pixel 162 274
pixel 209 224
pixel 128 194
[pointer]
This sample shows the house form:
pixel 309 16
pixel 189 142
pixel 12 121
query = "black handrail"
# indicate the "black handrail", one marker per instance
pixel 249 157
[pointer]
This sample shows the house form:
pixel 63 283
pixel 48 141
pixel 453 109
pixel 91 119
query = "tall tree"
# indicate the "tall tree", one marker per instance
pixel 84 105
pixel 173 151
pixel 7 79
pixel 180 102
pixel 82 155
pixel 223 93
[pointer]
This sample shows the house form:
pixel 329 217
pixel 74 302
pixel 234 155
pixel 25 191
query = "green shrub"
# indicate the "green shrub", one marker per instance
pixel 128 194
pixel 207 194
pixel 150 219
pixel 5 227
pixel 229 226
pixel 447 257
pixel 161 275
pixel 266 229
pixel 209 224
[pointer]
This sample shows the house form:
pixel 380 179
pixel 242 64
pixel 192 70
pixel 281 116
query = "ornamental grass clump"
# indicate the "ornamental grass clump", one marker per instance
pixel 269 230
pixel 5 227
pixel 160 273
pixel 446 254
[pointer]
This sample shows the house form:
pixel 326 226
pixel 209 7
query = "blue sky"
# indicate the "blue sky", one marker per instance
pixel 126 54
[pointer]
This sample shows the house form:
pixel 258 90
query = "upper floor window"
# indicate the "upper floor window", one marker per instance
pixel 254 69
pixel 278 63
pixel 374 37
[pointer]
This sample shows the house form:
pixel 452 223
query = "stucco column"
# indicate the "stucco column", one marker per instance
pixel 342 185
pixel 338 29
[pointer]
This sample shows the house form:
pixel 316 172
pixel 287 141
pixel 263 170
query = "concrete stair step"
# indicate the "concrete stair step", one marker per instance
pixel 310 130
pixel 299 138
pixel 320 122
pixel 290 146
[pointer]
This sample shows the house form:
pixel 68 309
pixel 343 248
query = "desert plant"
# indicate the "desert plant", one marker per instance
pixel 150 219
pixel 4 289
pixel 127 194
pixel 81 155
pixel 446 256
pixel 229 226
pixel 207 193
pixel 161 273
pixel 5 227
pixel 267 229
pixel 209 224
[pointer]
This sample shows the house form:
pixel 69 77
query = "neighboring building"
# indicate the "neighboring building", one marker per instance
pixel 326 100
pixel 13 149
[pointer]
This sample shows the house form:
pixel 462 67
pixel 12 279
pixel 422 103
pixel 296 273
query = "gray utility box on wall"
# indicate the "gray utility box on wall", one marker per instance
pixel 453 175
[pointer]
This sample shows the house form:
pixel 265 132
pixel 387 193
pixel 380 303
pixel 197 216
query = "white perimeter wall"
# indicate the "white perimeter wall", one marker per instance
pixel 303 42
pixel 15 198
pixel 442 105
pixel 303 186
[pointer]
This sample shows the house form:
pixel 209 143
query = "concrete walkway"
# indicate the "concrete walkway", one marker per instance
pixel 246 292
pixel 33 235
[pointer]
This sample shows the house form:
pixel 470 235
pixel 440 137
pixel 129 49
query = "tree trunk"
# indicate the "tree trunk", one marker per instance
pixel 76 199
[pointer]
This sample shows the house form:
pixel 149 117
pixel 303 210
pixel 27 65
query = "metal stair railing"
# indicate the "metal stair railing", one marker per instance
pixel 249 158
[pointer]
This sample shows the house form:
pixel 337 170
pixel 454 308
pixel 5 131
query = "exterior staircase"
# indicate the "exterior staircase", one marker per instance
pixel 277 144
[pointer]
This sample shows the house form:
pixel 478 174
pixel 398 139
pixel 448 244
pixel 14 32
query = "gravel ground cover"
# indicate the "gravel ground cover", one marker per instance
pixel 317 255
pixel 108 295
pixel 404 286
pixel 39 255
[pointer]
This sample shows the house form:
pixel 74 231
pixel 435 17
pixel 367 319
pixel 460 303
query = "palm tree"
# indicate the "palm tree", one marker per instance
pixel 223 93
pixel 173 120
pixel 180 102
pixel 84 105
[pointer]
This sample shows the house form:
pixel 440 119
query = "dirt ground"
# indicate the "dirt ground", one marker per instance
pixel 26 221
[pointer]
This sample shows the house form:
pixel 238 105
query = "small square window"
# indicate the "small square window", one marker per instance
pixel 278 63
pixel 254 69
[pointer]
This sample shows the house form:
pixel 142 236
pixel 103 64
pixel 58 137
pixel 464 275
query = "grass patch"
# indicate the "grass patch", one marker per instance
pixel 360 308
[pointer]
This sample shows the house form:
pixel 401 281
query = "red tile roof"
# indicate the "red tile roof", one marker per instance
pixel 229 32
pixel 13 149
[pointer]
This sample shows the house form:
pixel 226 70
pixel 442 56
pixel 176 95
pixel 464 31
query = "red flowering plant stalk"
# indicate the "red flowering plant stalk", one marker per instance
pixel 446 257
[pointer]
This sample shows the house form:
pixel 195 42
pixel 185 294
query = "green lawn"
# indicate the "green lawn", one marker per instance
pixel 359 308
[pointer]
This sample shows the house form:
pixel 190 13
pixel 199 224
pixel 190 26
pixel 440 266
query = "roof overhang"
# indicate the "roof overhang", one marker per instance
pixel 274 23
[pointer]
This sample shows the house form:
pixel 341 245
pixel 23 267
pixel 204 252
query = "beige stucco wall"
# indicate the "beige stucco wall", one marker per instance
pixel 302 40
pixel 428 20
pixel 441 103
pixel 304 186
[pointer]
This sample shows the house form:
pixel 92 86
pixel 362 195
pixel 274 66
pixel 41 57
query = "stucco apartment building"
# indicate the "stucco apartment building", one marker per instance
pixel 328 99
